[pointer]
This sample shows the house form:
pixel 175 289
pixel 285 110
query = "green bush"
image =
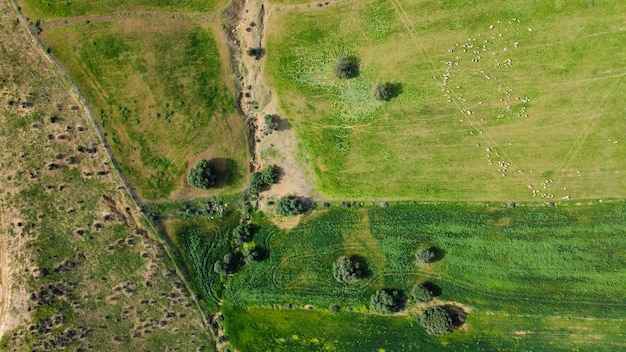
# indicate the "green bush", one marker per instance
pixel 251 255
pixel 347 270
pixel 241 234
pixel 262 178
pixel 347 67
pixel 290 205
pixel 201 175
pixel 383 91
pixel 424 256
pixel 384 302
pixel 421 294
pixel 436 321
pixel 270 124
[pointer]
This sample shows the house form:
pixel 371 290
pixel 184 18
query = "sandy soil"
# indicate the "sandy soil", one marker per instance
pixel 295 178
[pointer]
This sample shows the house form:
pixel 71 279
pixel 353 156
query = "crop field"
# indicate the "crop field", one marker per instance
pixel 156 88
pixel 552 264
pixel 498 100
pixel 77 271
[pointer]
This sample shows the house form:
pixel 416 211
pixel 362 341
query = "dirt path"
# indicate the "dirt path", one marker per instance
pixel 281 147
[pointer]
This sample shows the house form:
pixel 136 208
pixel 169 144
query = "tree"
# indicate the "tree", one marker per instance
pixel 241 234
pixel 347 68
pixel 421 294
pixel 251 255
pixel 256 183
pixel 383 91
pixel 270 124
pixel 269 175
pixel 201 175
pixel 347 270
pixel 384 302
pixel 290 205
pixel 436 321
pixel 424 256
pixel 220 268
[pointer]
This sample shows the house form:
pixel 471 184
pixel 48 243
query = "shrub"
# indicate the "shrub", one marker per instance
pixel 383 91
pixel 201 175
pixel 269 175
pixel 251 255
pixel 347 270
pixel 241 234
pixel 436 321
pixel 270 124
pixel 421 294
pixel 257 53
pixel 384 302
pixel 424 256
pixel 290 205
pixel 260 179
pixel 347 68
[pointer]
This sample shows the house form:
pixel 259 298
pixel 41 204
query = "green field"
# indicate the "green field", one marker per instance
pixel 566 73
pixel 55 9
pixel 551 264
pixel 157 90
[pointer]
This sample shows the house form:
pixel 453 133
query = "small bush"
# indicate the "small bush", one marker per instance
pixel 251 255
pixel 424 256
pixel 269 175
pixel 241 234
pixel 421 294
pixel 346 68
pixel 436 321
pixel 347 270
pixel 270 124
pixel 383 91
pixel 201 175
pixel 289 206
pixel 384 302
pixel 257 53
pixel 263 178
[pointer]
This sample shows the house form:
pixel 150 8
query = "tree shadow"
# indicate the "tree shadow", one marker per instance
pixel 438 252
pixel 281 123
pixel 458 315
pixel 365 270
pixel 396 89
pixel 263 253
pixel 226 171
pixel 433 288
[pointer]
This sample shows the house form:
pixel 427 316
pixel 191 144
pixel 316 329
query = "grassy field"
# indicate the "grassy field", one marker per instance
pixel 53 9
pixel 156 88
pixel 81 275
pixel 496 98
pixel 552 264
pixel 264 329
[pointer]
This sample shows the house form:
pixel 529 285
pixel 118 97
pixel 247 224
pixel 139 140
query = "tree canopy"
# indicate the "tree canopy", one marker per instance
pixel 421 294
pixel 201 175
pixel 424 256
pixel 347 68
pixel 290 205
pixel 384 302
pixel 436 321
pixel 347 270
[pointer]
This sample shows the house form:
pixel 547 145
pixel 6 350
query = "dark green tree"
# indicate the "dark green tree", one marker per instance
pixel 201 175
pixel 383 91
pixel 347 68
pixel 290 205
pixel 256 183
pixel 251 255
pixel 269 175
pixel 424 256
pixel 270 124
pixel 220 268
pixel 421 294
pixel 241 233
pixel 436 321
pixel 347 270
pixel 385 302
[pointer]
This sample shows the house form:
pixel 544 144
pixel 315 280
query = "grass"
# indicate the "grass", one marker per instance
pixel 51 218
pixel 263 329
pixel 158 93
pixel 553 264
pixel 51 9
pixel 568 61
